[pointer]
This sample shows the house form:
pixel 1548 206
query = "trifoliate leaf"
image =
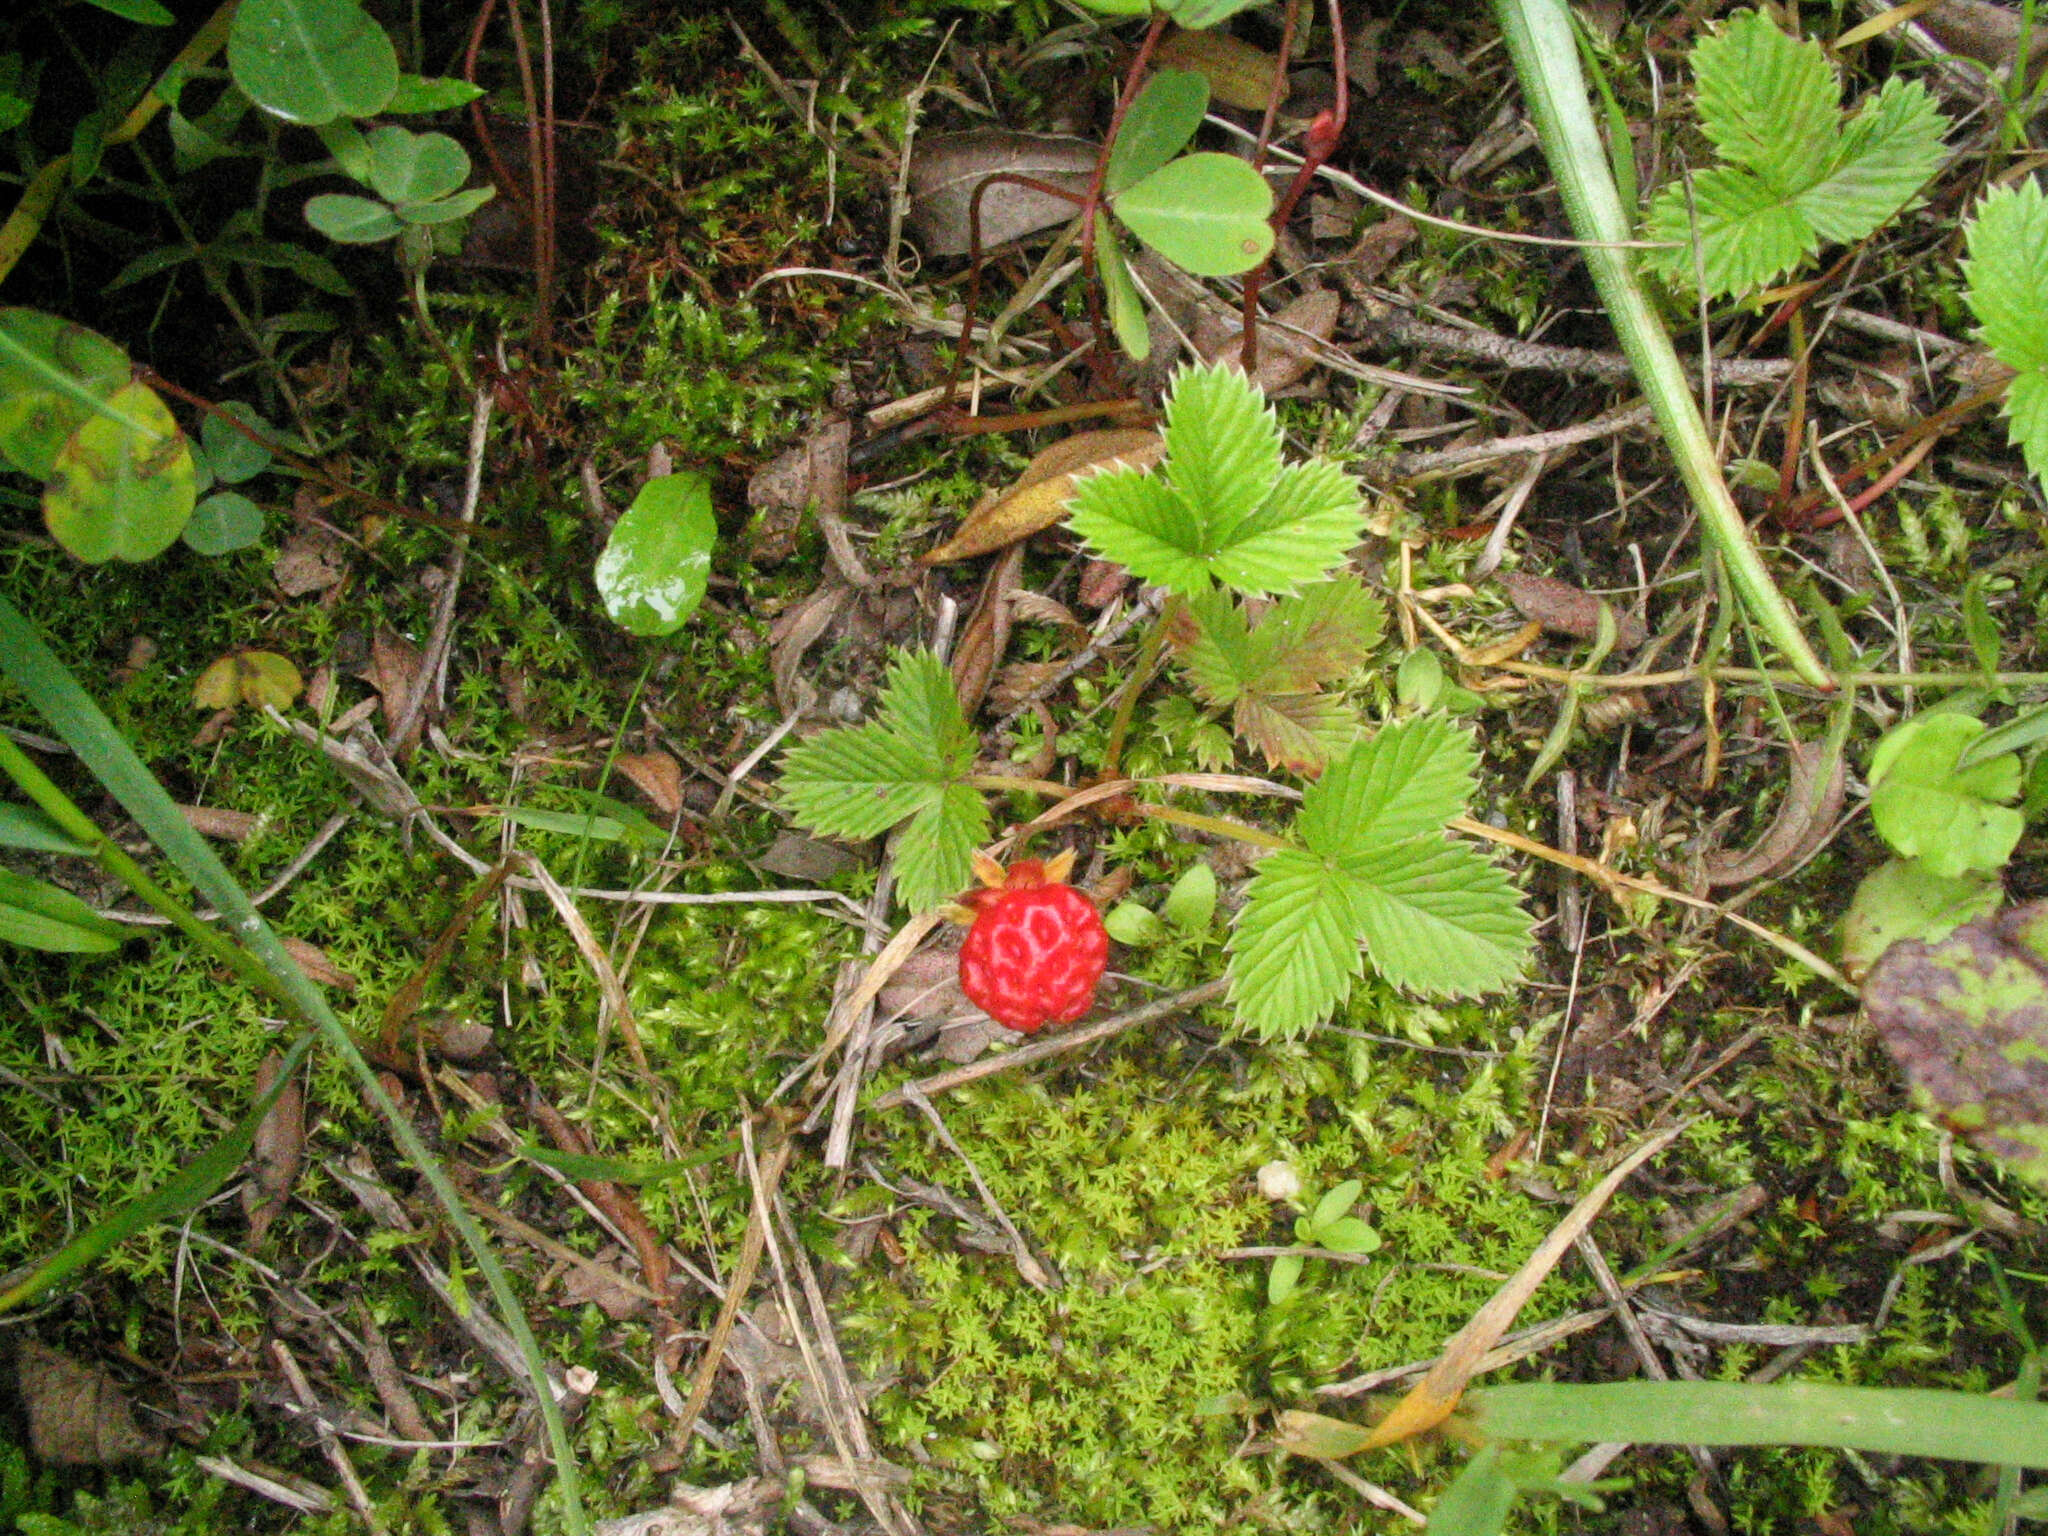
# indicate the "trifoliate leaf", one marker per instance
pixel 1952 821
pixel 2007 266
pixel 1222 445
pixel 258 679
pixel 1209 213
pixel 1141 523
pixel 1439 917
pixel 1294 949
pixel 934 854
pixel 1409 779
pixel 1792 175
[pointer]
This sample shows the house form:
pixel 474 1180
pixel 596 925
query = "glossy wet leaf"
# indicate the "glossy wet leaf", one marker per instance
pixel 1206 212
pixel 254 678
pixel 415 167
pixel 1158 126
pixel 312 61
pixel 657 562
pixel 352 220
pixel 121 487
pixel 1966 1018
pixel 53 376
pixel 223 523
pixel 38 915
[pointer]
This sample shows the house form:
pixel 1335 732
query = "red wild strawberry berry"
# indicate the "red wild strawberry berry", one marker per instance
pixel 1037 946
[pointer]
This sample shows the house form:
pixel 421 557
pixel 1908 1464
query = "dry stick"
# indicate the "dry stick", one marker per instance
pixel 1409 466
pixel 1486 346
pixel 1639 1342
pixel 283 878
pixel 1058 1045
pixel 388 1381
pixel 613 1201
pixel 433 668
pixel 344 1468
pixel 736 1286
pixel 617 1005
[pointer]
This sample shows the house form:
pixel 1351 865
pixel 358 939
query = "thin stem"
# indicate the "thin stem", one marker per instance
pixel 1141 676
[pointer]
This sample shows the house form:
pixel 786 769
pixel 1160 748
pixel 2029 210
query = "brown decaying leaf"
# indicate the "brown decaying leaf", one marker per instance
pixel 1239 74
pixel 314 962
pixel 1566 610
pixel 657 776
pixel 1981 30
pixel 228 826
pixel 946 168
pixel 394 671
pixel 794 631
pixel 312 560
pixel 926 986
pixel 1102 583
pixel 1039 497
pixel 986 634
pixel 1284 358
pixel 1802 821
pixel 1291 730
pixel 77 1414
pixel 277 1152
pixel 808 859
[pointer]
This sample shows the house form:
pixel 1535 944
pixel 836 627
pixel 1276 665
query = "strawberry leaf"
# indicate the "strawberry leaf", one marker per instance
pixel 1316 636
pixel 2007 239
pixel 934 853
pixel 1304 529
pixel 1295 731
pixel 1140 522
pixel 1294 948
pixel 1222 445
pixel 1215 646
pixel 1409 779
pixel 1439 917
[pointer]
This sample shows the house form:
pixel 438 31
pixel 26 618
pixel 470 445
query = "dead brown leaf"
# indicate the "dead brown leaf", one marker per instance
pixel 394 671
pixel 1039 497
pixel 597 1282
pixel 214 821
pixel 795 630
pixel 313 961
pixel 986 635
pixel 811 860
pixel 1239 74
pixel 1804 816
pixel 78 1415
pixel 946 168
pixel 1284 358
pixel 657 776
pixel 312 560
pixel 1564 609
pixel 277 1152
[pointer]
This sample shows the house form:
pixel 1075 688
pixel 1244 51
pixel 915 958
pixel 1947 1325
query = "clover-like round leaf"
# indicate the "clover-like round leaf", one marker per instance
pixel 1158 126
pixel 657 562
pixel 1206 212
pixel 351 220
pixel 312 61
pixel 254 678
pixel 52 375
pixel 121 486
pixel 223 523
pixel 408 167
pixel 231 455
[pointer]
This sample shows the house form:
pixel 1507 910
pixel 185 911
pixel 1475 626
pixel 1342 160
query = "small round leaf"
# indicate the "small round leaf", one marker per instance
pixel 311 61
pixel 224 523
pixel 408 167
pixel 248 677
pixel 1158 127
pixel 351 220
pixel 231 455
pixel 657 562
pixel 51 374
pixel 121 486
pixel 1204 212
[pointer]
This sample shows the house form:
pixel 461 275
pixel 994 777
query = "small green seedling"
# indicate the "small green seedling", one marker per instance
pixel 1330 1227
pixel 657 563
pixel 1185 917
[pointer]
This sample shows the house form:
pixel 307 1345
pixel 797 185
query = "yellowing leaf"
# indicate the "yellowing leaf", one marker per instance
pixel 255 678
pixel 1039 498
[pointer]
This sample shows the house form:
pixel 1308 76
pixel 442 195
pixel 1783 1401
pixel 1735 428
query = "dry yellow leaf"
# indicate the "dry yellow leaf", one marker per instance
pixel 248 677
pixel 1039 498
pixel 1239 75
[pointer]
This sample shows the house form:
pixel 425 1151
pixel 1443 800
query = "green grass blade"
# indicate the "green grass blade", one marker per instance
pixel 184 1190
pixel 1539 37
pixel 1894 1421
pixel 56 695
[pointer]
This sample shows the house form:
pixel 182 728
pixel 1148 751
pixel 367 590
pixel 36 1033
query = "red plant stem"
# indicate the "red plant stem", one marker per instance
pixel 1281 59
pixel 501 173
pixel 1801 514
pixel 973 294
pixel 1891 477
pixel 1795 417
pixel 539 163
pixel 1324 134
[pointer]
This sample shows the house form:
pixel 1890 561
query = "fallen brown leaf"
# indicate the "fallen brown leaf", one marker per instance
pixel 228 826
pixel 946 168
pixel 1566 610
pixel 312 560
pixel 986 634
pixel 1039 497
pixel 657 776
pixel 277 1152
pixel 314 962
pixel 78 1415
pixel 1239 74
pixel 1804 816
pixel 394 671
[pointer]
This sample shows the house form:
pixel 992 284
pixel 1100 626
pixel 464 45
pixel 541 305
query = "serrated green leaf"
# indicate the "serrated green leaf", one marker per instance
pixel 934 853
pixel 1138 521
pixel 1407 780
pixel 1888 151
pixel 1305 530
pixel 1439 917
pixel 1217 651
pixel 1747 232
pixel 1156 128
pixel 1314 636
pixel 1222 447
pixel 1294 949
pixel 1206 212
pixel 920 703
pixel 1768 102
pixel 856 782
pixel 2005 267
